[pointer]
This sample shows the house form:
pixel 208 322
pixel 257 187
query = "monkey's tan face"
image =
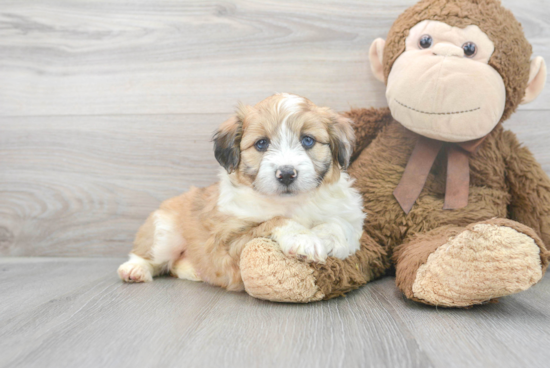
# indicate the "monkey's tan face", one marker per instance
pixel 442 86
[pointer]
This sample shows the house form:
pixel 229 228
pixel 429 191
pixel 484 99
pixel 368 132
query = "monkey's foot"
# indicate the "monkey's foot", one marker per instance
pixel 268 274
pixel 483 262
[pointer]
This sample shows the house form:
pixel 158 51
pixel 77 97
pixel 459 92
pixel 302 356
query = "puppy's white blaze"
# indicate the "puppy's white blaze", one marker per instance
pixel 290 103
pixel 286 149
pixel 336 203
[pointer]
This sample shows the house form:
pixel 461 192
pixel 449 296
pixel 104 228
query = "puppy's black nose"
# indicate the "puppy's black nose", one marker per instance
pixel 286 174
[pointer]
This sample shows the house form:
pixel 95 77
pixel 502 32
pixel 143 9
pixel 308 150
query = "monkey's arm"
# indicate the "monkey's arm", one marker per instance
pixel 529 188
pixel 367 124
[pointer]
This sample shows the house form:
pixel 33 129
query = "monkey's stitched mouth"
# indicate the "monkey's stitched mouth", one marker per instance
pixel 437 113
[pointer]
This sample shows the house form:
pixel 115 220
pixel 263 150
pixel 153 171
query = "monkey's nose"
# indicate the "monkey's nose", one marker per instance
pixel 447 49
pixel 286 174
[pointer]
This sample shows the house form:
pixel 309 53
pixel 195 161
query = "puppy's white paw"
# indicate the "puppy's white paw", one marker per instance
pixel 334 240
pixel 134 272
pixel 303 246
pixel 298 241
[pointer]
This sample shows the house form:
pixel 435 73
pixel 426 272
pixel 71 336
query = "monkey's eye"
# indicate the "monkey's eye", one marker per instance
pixel 308 142
pixel 470 49
pixel 262 144
pixel 425 41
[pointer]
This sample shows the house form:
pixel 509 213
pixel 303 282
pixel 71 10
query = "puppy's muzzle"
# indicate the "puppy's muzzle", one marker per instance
pixel 286 175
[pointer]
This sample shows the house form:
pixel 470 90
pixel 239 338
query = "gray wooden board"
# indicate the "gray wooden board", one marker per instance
pixel 82 185
pixel 110 57
pixel 95 179
pixel 76 313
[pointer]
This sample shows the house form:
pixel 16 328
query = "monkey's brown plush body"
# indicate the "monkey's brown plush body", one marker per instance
pixel 492 247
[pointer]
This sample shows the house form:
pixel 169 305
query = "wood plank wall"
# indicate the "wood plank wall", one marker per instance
pixel 107 107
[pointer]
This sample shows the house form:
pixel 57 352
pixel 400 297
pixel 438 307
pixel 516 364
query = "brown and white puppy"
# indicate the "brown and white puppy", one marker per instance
pixel 283 179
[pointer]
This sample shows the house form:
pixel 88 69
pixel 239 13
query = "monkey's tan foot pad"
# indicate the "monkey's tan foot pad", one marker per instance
pixel 483 262
pixel 268 274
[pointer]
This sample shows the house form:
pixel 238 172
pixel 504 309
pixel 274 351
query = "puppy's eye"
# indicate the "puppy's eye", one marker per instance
pixel 425 41
pixel 470 49
pixel 262 144
pixel 307 141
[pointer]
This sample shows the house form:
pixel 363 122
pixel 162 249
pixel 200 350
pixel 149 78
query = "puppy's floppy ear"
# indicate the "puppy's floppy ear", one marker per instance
pixel 342 139
pixel 227 140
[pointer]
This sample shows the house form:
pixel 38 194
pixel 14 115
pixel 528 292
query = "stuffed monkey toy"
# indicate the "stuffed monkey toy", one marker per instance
pixel 456 207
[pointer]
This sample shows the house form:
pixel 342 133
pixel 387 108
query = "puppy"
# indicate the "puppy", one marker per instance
pixel 282 179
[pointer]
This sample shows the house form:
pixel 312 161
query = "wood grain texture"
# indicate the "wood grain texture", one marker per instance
pixel 171 57
pixel 76 186
pixel 81 186
pixel 78 314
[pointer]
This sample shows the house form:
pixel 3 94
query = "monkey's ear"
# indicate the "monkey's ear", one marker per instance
pixel 537 80
pixel 376 56
pixel 342 139
pixel 227 140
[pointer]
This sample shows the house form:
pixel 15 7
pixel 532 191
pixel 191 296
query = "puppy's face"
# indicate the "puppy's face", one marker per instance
pixel 285 145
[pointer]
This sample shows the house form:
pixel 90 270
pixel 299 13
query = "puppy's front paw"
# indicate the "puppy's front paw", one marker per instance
pixel 334 240
pixel 298 241
pixel 303 246
pixel 134 272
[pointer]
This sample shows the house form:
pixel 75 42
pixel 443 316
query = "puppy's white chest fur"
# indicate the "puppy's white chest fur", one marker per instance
pixel 338 205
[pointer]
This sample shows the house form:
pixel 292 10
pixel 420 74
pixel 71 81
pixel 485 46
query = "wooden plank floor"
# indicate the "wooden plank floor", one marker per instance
pixel 74 312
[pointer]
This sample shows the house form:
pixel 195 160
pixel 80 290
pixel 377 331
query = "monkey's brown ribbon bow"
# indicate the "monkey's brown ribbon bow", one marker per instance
pixel 420 163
